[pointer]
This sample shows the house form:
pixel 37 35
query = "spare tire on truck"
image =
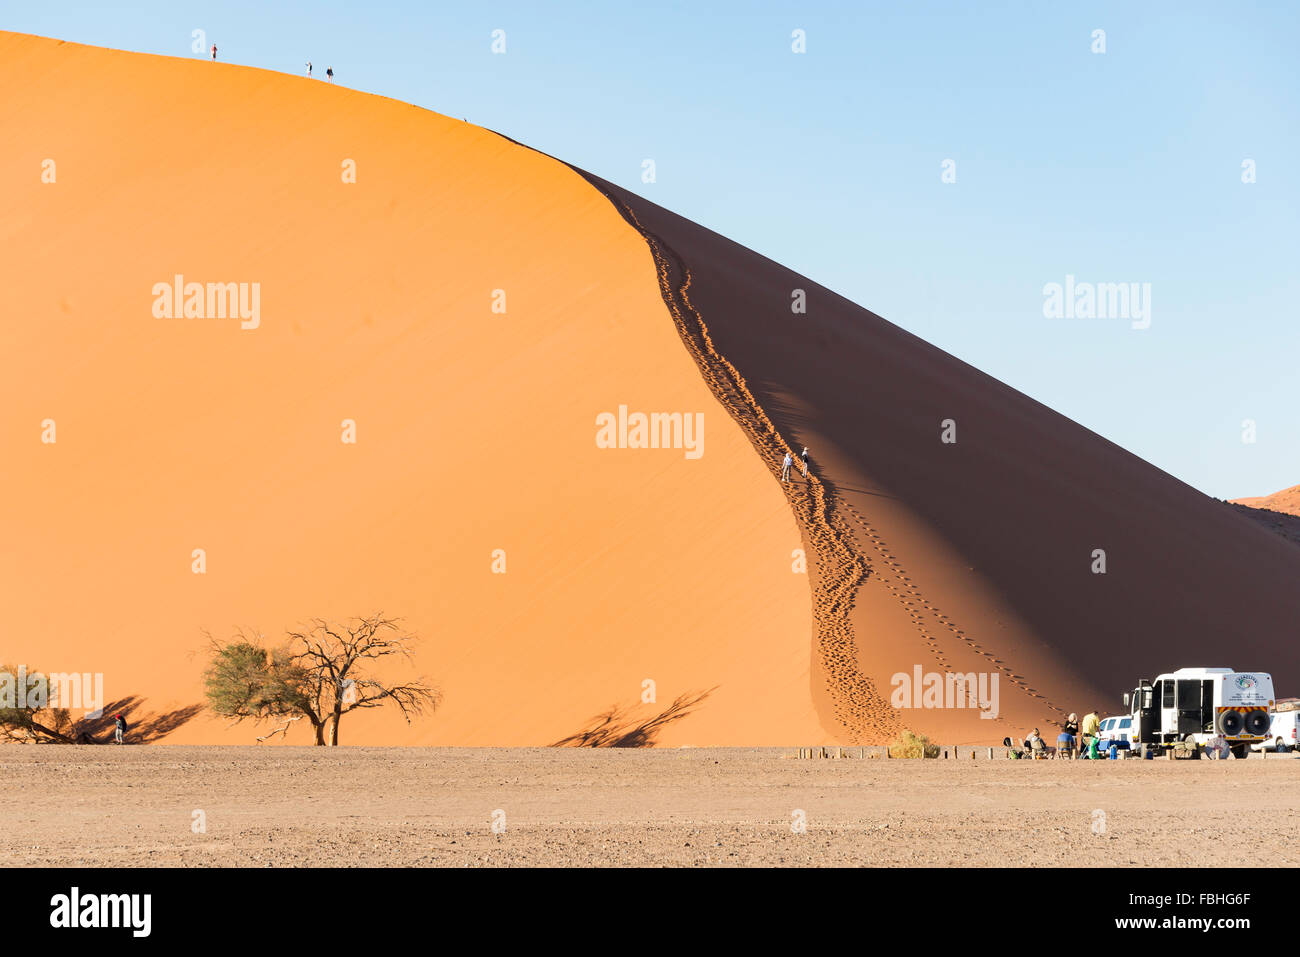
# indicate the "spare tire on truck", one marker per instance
pixel 1257 722
pixel 1230 723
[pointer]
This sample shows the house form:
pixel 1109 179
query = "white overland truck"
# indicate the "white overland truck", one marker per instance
pixel 1191 707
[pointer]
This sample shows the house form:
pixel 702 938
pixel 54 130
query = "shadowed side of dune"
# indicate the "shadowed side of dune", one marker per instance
pixel 978 555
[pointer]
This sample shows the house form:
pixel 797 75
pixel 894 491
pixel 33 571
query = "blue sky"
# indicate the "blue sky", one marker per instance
pixel 1122 166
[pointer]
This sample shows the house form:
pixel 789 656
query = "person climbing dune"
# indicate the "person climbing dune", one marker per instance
pixel 785 467
pixel 214 51
pixel 804 456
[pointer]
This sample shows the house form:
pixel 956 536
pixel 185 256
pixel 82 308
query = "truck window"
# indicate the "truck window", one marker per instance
pixel 1166 694
pixel 1189 696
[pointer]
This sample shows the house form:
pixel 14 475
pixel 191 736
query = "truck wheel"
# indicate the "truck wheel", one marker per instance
pixel 1280 747
pixel 1241 751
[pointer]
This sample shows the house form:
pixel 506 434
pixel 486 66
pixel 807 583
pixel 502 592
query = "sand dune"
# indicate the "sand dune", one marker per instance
pixel 1279 512
pixel 1287 500
pixel 975 555
pixel 477 431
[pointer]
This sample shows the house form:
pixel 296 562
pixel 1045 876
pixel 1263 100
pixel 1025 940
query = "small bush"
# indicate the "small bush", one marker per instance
pixel 909 744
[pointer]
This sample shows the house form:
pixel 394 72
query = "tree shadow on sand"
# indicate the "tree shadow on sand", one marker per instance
pixel 620 728
pixel 143 727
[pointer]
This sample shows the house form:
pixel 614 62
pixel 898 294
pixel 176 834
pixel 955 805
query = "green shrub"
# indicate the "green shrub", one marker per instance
pixel 909 744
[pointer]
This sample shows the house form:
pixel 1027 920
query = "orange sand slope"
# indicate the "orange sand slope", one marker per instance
pixel 475 429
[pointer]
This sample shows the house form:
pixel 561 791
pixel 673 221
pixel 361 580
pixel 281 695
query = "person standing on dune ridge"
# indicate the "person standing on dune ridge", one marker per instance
pixel 329 73
pixel 309 68
pixel 214 51
pixel 804 456
pixel 785 467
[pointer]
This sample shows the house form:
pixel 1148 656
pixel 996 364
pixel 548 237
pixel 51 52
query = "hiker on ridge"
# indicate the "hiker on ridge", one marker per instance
pixel 785 467
pixel 309 68
pixel 329 72
pixel 214 51
pixel 804 456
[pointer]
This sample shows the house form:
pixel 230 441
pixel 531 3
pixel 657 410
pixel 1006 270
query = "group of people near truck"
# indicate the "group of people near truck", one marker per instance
pixel 1075 740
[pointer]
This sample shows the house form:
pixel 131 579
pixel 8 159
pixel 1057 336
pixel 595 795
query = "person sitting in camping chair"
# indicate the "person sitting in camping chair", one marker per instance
pixel 1036 747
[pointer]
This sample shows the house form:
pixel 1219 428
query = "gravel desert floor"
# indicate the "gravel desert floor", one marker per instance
pixel 295 807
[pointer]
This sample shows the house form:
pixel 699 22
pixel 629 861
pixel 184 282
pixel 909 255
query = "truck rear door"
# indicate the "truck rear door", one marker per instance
pixel 1146 710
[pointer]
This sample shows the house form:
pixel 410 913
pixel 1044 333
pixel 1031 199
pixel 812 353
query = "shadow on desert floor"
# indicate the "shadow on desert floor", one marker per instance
pixel 619 727
pixel 143 726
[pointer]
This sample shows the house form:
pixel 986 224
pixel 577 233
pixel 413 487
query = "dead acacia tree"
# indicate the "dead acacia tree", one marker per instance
pixel 335 660
pixel 320 673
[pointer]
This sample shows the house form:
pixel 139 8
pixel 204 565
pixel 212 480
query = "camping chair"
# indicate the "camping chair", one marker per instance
pixel 1038 749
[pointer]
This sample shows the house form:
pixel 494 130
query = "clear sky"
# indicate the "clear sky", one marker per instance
pixel 1122 166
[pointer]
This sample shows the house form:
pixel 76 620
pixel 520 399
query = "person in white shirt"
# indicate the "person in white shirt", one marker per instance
pixel 785 467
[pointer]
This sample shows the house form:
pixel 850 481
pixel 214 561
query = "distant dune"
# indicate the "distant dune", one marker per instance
pixel 629 571
pixel 1279 512
pixel 1287 500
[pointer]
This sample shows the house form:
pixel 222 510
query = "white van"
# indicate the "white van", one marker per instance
pixel 1281 733
pixel 1116 730
pixel 1196 705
